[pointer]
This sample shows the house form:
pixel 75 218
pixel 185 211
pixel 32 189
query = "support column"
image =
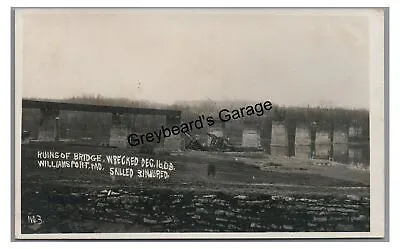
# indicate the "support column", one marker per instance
pixel 173 142
pixel 251 134
pixel 341 143
pixel 313 136
pixel 331 136
pixel 291 137
pixel 278 139
pixel 119 131
pixel 266 135
pixel 131 123
pixel 49 125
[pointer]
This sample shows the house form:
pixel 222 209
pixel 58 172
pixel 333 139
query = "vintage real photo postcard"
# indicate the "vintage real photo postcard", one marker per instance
pixel 149 123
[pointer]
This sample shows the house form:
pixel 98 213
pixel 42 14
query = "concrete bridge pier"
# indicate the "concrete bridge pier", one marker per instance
pixel 119 130
pixel 131 123
pixel 251 134
pixel 313 136
pixel 266 135
pixel 291 137
pixel 173 142
pixel 49 125
pixel 331 138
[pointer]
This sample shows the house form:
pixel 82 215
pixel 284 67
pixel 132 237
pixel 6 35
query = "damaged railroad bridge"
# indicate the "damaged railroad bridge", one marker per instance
pixel 272 136
pixel 121 125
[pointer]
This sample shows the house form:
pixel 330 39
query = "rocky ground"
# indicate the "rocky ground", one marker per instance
pixel 249 192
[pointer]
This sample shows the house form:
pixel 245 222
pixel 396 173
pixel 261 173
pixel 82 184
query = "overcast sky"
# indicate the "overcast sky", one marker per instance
pixel 165 55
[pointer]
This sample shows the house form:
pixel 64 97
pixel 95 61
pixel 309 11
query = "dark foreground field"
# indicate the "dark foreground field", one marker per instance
pixel 249 192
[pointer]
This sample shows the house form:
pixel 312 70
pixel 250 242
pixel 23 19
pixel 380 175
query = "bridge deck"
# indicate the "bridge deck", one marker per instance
pixel 96 108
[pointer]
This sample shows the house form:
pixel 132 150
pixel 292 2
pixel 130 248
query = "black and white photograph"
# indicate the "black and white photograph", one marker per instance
pixel 198 123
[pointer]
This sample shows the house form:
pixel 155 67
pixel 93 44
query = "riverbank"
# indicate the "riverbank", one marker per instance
pixel 247 192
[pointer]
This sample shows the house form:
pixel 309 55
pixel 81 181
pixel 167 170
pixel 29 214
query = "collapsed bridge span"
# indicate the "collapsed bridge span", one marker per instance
pixel 120 129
